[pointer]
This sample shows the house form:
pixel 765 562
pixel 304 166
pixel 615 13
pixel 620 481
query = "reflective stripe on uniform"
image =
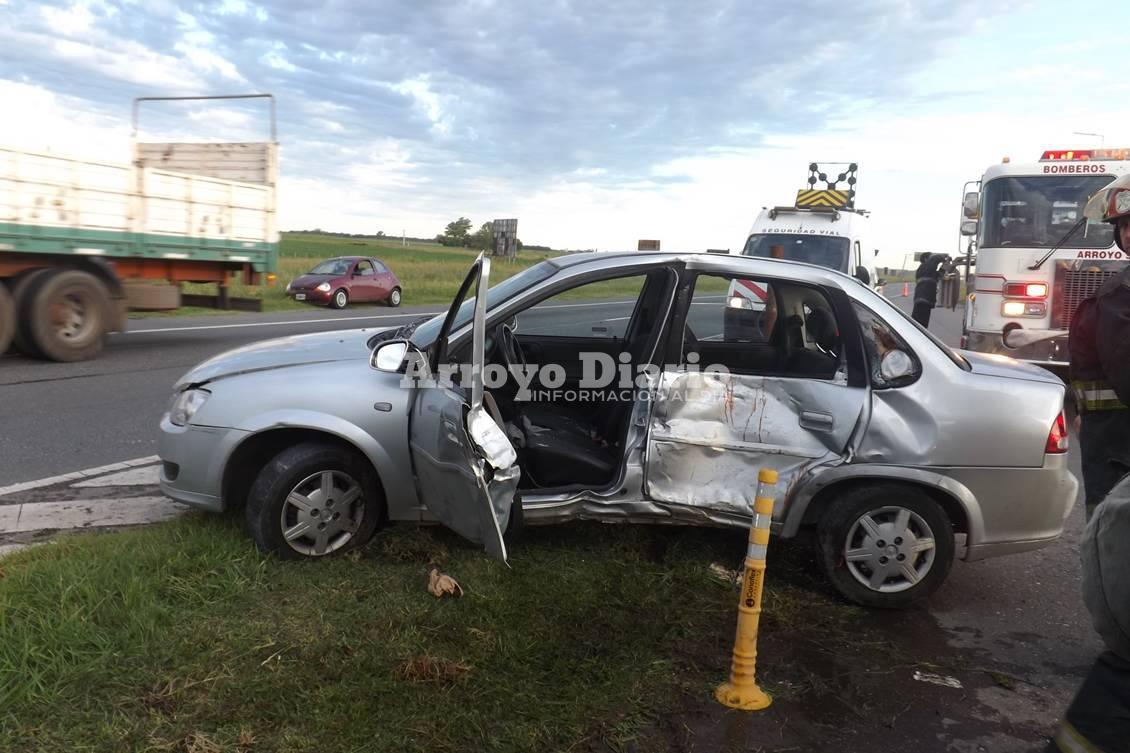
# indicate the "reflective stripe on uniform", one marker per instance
pixel 1096 395
pixel 1070 741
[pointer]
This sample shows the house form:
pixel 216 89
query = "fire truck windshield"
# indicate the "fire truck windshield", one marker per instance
pixel 822 250
pixel 1037 212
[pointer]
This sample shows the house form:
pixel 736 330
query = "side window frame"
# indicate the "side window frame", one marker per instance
pixel 628 322
pixel 841 303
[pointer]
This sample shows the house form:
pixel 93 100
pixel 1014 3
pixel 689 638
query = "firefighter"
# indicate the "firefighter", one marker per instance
pixel 1099 342
pixel 926 287
pixel 1098 719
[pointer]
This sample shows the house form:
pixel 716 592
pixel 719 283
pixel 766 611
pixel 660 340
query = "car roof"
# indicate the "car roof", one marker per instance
pixel 732 263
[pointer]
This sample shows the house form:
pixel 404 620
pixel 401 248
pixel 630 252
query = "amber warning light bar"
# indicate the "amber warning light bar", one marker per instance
pixel 1084 155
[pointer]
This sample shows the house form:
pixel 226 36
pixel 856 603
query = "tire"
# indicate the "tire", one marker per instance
pixel 300 472
pixel 901 515
pixel 23 282
pixel 7 318
pixel 394 298
pixel 340 299
pixel 66 315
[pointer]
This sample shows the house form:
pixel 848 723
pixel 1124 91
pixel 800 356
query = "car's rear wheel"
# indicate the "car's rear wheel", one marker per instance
pixel 886 546
pixel 340 299
pixel 313 500
pixel 394 297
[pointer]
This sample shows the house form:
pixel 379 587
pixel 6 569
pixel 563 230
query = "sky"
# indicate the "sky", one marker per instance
pixel 594 124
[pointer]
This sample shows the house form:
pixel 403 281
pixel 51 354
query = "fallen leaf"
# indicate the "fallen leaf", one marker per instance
pixel 440 585
pixel 945 682
pixel 725 574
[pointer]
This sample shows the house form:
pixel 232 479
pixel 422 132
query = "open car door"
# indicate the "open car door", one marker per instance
pixel 466 468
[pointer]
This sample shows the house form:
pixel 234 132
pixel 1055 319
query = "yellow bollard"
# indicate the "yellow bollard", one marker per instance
pixel 741 692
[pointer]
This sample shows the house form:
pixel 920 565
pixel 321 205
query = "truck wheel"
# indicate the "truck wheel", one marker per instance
pixel 7 318
pixel 886 545
pixel 22 284
pixel 67 315
pixel 314 499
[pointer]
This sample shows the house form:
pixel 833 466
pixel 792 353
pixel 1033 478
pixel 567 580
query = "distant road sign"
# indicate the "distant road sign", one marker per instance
pixel 505 237
pixel 648 246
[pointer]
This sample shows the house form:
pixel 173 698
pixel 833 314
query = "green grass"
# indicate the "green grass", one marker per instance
pixel 182 637
pixel 430 274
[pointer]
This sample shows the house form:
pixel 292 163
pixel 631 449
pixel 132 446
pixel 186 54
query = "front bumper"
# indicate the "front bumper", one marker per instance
pixel 312 296
pixel 1051 352
pixel 193 459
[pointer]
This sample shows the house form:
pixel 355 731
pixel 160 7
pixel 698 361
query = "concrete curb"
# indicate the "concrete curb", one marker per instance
pixel 77 475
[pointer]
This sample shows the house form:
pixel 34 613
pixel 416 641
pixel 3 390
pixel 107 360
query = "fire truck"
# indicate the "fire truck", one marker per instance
pixel 1036 256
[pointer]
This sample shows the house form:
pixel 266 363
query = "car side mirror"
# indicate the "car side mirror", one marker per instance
pixel 896 365
pixel 863 275
pixel 389 356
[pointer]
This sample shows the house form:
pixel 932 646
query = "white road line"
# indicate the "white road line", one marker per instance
pixel 337 319
pixel 77 475
pixel 273 324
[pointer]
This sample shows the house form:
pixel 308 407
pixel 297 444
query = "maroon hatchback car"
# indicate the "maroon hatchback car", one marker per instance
pixel 343 280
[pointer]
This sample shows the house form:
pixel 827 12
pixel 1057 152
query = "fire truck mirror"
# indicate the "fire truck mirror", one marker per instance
pixel 969 227
pixel 971 206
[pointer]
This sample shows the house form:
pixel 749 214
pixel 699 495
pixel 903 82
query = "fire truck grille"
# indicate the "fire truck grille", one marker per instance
pixel 1077 286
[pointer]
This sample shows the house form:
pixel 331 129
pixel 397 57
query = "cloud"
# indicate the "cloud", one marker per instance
pixel 598 124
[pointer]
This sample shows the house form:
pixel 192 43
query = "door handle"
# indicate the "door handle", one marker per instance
pixel 817 421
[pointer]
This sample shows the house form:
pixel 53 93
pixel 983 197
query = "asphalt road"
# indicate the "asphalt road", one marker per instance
pixel 56 417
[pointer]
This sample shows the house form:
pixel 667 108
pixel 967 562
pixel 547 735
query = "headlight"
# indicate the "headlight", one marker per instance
pixel 288 286
pixel 324 287
pixel 186 404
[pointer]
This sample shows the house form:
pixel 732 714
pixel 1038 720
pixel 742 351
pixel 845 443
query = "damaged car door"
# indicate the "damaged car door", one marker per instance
pixel 466 469
pixel 773 393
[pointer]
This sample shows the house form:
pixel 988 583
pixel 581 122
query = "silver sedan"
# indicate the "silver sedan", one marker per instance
pixel 630 387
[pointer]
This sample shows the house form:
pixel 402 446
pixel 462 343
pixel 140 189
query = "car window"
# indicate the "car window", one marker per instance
pixel 381 268
pixel 601 309
pixel 331 267
pixel 504 290
pixel 759 326
pixel 878 340
pixel 365 269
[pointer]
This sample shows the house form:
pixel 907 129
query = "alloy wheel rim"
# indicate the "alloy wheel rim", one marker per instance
pixel 890 549
pixel 322 513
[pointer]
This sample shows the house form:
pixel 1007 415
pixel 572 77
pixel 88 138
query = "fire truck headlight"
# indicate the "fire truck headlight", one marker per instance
pixel 737 302
pixel 1022 308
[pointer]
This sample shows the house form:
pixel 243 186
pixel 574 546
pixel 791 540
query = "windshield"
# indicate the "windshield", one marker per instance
pixel 332 267
pixel 426 333
pixel 1036 212
pixel 823 250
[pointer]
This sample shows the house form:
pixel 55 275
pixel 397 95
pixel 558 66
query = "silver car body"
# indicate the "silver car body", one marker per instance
pixel 971 435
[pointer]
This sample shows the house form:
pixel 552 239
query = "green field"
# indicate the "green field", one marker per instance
pixel 430 274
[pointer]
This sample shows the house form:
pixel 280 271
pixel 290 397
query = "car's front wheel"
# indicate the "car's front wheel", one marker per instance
pixel 340 299
pixel 886 546
pixel 394 297
pixel 314 499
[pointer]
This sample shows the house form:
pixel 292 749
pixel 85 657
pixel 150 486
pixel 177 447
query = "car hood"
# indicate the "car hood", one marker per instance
pixel 311 281
pixel 990 364
pixel 283 352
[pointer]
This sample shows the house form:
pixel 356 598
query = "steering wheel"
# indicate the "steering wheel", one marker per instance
pixel 508 348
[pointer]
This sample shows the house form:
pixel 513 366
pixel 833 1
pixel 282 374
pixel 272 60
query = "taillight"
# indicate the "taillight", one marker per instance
pixel 1057 437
